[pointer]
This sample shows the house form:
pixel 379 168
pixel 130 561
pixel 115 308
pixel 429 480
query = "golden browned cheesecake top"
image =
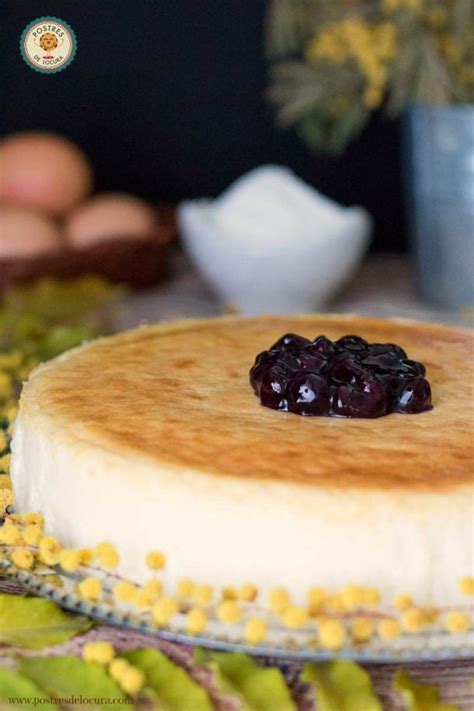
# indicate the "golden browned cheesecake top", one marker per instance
pixel 179 394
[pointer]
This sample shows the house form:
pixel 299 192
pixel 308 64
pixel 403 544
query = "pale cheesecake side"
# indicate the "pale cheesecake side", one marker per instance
pixel 155 439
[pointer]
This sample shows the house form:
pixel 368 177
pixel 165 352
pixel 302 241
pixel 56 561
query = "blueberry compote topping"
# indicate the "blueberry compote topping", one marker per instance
pixel 344 378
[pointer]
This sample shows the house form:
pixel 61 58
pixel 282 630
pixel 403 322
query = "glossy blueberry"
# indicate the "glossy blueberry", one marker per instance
pixel 312 361
pixel 414 396
pixel 392 384
pixel 346 370
pixel 376 348
pixel 273 387
pixel 384 363
pixel 289 362
pixel 263 362
pixel 308 394
pixel 322 345
pixel 353 344
pixel 415 366
pixel 290 342
pixel 367 400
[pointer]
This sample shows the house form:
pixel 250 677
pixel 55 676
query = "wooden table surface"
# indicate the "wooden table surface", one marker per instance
pixel 384 287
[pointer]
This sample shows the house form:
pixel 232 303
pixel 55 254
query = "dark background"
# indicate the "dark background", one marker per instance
pixel 167 99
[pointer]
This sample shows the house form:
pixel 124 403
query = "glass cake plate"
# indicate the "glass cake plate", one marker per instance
pixel 281 644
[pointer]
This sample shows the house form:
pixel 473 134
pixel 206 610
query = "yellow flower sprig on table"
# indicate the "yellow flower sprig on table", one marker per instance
pixel 354 615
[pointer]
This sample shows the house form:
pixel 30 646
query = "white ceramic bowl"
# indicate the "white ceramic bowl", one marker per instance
pixel 268 274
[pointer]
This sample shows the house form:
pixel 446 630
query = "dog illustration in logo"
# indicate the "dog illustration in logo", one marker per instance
pixel 48 43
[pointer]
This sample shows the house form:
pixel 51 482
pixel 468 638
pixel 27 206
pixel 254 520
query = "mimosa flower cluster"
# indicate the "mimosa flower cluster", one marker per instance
pixel 334 63
pixel 353 615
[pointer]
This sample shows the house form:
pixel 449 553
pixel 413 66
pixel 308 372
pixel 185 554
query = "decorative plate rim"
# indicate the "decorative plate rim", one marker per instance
pixel 413 648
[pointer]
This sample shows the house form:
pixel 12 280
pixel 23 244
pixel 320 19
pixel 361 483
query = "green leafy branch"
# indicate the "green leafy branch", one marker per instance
pixel 31 623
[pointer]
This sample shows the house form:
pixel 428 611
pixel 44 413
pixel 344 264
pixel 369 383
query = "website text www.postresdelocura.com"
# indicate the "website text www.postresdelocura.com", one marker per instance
pixel 72 700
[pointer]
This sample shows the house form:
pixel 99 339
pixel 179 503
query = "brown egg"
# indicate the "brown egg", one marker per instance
pixel 43 170
pixel 111 215
pixel 25 233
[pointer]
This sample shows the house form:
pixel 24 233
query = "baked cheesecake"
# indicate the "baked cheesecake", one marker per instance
pixel 154 438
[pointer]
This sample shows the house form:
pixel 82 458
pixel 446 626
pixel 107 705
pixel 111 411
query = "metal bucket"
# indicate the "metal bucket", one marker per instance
pixel 439 160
